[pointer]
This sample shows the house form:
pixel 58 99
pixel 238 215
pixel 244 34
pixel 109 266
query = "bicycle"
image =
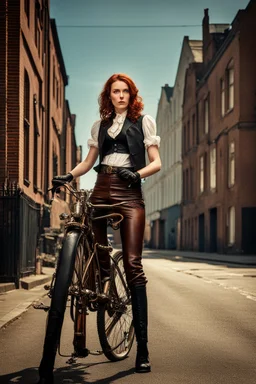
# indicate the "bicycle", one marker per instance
pixel 78 277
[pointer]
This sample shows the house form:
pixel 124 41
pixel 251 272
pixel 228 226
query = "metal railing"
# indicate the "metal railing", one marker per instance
pixel 19 232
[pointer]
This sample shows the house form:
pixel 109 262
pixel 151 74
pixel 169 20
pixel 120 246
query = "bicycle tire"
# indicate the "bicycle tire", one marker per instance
pixel 64 273
pixel 114 318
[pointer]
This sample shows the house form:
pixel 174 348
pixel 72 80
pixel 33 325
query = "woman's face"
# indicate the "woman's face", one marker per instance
pixel 120 96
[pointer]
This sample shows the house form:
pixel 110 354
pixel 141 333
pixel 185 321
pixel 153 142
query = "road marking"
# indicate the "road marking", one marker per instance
pixel 248 295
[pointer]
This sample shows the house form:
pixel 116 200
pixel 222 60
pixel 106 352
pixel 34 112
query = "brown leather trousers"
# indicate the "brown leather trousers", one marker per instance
pixel 110 189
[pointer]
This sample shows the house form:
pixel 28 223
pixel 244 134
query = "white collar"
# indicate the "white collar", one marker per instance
pixel 120 117
pixel 123 114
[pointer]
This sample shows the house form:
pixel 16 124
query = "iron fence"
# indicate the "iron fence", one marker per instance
pixel 19 233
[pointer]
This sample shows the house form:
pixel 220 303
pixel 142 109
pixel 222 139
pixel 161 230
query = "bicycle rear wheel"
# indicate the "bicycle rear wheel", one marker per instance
pixel 64 273
pixel 83 294
pixel 114 318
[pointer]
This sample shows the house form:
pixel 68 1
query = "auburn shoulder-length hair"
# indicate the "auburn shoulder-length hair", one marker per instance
pixel 135 106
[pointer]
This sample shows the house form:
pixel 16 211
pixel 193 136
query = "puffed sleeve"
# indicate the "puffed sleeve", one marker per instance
pixel 149 130
pixel 93 141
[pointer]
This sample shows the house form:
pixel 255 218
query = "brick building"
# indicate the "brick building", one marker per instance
pixel 219 140
pixel 163 190
pixel 37 137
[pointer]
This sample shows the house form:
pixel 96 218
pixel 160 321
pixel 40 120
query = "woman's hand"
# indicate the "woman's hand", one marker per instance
pixel 132 177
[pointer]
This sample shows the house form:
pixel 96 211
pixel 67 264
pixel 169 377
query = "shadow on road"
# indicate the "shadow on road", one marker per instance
pixel 75 374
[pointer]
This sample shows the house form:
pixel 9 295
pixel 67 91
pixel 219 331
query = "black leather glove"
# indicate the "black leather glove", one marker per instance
pixel 132 177
pixel 63 178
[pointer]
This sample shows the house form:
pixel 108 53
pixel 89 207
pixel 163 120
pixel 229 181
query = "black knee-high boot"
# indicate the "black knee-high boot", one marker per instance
pixel 140 321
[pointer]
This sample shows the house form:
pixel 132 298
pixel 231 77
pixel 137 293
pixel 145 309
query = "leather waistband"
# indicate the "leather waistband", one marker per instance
pixel 110 169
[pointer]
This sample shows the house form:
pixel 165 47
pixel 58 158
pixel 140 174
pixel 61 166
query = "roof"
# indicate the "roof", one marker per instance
pixel 58 51
pixel 197 49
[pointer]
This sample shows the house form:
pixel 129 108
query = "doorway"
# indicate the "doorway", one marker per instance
pixel 201 236
pixel 213 230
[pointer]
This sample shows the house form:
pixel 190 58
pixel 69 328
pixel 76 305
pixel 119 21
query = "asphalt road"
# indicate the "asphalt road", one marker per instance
pixel 201 331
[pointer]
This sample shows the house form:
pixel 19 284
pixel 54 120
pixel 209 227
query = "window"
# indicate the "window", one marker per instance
pixel 184 139
pixel 231 226
pixel 53 80
pixel 194 130
pixel 57 93
pixel 206 116
pixel 230 78
pixel 36 135
pixel 222 97
pixel 187 185
pixel 213 169
pixel 188 135
pixel 183 186
pixel 191 183
pixel 231 162
pixel 37 28
pixel 26 129
pixel 26 9
pixel 54 164
pixel 201 187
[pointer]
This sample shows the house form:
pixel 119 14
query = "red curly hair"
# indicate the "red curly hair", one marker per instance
pixel 135 106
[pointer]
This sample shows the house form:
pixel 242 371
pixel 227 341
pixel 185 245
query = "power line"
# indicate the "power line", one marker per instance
pixel 131 26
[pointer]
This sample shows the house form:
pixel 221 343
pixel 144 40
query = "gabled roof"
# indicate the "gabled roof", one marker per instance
pixel 197 49
pixel 58 51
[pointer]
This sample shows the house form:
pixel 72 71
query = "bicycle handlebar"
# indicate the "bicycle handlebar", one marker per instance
pixel 58 183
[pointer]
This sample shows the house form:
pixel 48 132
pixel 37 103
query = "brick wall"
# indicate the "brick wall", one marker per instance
pixel 3 88
pixel 237 125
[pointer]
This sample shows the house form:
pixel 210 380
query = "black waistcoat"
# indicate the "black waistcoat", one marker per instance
pixel 117 145
pixel 134 138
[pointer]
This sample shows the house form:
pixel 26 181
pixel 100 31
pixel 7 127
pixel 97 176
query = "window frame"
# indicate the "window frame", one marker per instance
pixel 201 174
pixel 26 128
pixel 213 169
pixel 230 86
pixel 206 116
pixel 222 97
pixel 231 164
pixel 231 226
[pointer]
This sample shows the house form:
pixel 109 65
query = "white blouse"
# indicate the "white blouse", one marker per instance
pixel 123 159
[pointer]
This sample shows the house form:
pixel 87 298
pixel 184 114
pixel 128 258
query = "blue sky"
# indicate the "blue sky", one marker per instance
pixel 149 55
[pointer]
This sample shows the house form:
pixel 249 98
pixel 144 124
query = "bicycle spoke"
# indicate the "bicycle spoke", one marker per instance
pixel 116 316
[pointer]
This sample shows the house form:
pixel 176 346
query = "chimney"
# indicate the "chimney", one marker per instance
pixel 206 33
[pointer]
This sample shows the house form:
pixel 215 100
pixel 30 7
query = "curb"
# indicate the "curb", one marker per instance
pixel 17 312
pixel 34 283
pixel 5 287
pixel 24 303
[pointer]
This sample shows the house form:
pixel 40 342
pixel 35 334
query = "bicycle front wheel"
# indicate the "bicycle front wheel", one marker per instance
pixel 114 318
pixel 64 272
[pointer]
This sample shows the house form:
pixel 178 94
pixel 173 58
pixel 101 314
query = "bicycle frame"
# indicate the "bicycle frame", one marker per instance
pixel 84 298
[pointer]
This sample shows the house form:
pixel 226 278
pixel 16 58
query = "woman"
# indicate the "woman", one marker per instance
pixel 120 139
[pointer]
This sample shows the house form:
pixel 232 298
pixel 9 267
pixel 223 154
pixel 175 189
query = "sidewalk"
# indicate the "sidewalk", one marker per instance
pixel 16 301
pixel 223 258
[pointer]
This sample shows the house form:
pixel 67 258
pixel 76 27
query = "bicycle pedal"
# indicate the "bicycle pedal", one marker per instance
pixel 72 360
pixel 41 306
